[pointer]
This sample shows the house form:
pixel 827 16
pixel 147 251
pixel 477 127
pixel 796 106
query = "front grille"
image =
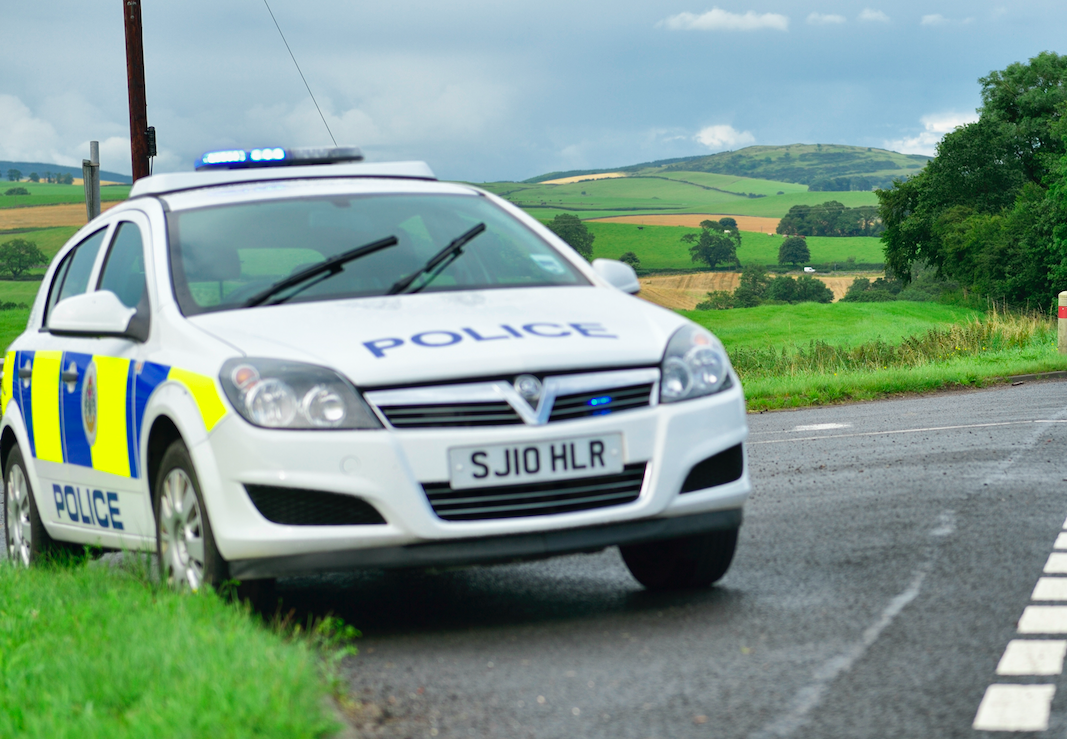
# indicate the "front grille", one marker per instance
pixel 296 507
pixel 454 414
pixel 536 499
pixel 581 405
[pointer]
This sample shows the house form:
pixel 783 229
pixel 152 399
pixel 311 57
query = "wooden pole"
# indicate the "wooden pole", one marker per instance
pixel 135 82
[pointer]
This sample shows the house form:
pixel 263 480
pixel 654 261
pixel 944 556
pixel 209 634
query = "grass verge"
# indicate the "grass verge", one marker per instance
pixel 971 353
pixel 92 651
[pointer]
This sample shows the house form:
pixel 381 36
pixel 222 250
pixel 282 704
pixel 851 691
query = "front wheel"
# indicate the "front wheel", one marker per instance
pixel 27 540
pixel 188 557
pixel 689 562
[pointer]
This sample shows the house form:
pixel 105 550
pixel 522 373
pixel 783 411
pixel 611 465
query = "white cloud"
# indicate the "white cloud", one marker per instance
pixel 25 137
pixel 939 20
pixel 873 16
pixel 719 138
pixel 935 126
pixel 718 19
pixel 818 19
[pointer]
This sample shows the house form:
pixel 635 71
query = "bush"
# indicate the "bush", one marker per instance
pixel 571 229
pixel 17 191
pixel 631 259
pixel 717 300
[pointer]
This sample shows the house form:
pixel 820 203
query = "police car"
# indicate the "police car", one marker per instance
pixel 293 361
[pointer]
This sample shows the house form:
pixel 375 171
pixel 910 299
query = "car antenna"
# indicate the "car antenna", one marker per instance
pixel 301 73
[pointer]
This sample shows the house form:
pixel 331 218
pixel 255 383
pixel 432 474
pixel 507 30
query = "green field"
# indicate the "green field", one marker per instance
pixel 840 324
pixel 661 247
pixel 48 240
pixel 42 193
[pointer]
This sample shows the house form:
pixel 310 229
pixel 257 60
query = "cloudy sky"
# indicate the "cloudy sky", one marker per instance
pixel 489 90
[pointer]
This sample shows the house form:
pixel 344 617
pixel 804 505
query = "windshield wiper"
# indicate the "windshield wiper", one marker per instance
pixel 437 264
pixel 327 269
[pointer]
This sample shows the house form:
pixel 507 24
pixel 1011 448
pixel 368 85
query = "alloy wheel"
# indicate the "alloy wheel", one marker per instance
pixel 17 509
pixel 181 532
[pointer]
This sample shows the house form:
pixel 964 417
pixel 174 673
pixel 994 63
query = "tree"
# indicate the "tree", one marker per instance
pixel 714 245
pixel 631 259
pixel 753 287
pixel 13 175
pixel 34 177
pixel 794 250
pixel 571 229
pixel 728 223
pixel 19 255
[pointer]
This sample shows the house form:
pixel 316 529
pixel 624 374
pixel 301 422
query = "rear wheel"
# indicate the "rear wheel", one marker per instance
pixel 688 562
pixel 188 556
pixel 27 540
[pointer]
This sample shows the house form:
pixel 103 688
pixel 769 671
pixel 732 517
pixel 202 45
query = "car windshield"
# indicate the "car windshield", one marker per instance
pixel 223 255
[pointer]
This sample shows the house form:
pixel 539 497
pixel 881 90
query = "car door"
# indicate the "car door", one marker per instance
pixel 81 404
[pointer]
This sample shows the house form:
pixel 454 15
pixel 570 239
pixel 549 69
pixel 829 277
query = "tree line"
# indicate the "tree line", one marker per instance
pixel 990 210
pixel 831 219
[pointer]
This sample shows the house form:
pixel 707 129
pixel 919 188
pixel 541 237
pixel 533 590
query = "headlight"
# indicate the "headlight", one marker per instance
pixel 694 365
pixel 290 395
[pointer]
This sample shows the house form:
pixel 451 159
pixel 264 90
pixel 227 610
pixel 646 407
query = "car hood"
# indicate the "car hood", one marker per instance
pixel 428 337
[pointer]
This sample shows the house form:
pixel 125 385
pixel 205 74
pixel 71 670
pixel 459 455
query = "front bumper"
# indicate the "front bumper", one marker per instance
pixel 388 468
pixel 488 550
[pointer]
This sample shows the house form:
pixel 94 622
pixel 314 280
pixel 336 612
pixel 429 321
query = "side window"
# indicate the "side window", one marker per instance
pixel 123 272
pixel 72 277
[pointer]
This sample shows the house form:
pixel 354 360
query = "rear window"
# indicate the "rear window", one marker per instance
pixel 222 256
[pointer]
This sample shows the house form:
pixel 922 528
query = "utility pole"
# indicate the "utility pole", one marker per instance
pixel 139 135
pixel 91 180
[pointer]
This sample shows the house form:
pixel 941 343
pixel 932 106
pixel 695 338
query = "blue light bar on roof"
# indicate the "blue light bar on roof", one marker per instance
pixel 277 157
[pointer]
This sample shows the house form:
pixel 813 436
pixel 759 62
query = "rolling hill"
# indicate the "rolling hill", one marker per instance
pixel 822 167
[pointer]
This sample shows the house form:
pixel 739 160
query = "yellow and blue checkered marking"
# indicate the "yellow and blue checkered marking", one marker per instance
pixel 53 412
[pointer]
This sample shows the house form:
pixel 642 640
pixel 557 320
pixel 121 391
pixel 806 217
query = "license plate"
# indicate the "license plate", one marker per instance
pixel 515 464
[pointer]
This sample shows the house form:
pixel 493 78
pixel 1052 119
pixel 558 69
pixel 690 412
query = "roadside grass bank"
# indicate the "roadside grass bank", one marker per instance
pixel 97 651
pixel 979 350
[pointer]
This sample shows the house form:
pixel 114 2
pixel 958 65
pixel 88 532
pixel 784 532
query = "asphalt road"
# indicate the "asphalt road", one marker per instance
pixel 888 552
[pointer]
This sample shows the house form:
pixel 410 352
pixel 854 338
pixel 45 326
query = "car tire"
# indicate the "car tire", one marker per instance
pixel 28 542
pixel 688 562
pixel 188 557
pixel 185 543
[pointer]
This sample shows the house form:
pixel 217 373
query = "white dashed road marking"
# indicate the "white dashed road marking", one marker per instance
pixel 1015 708
pixel 1043 620
pixel 1033 657
pixel 1056 564
pixel 1050 588
pixel 823 427
pixel 1027 707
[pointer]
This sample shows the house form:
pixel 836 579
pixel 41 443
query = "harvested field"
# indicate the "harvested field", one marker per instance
pixel 683 292
pixel 584 178
pixel 757 224
pixel 46 216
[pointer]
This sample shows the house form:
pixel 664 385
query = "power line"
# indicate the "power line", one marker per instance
pixel 301 73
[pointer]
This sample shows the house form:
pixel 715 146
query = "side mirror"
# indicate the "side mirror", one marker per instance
pixel 99 313
pixel 618 274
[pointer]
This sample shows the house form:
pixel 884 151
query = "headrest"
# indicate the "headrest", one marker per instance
pixel 202 265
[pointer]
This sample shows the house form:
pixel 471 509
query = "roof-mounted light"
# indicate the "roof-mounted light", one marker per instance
pixel 277 157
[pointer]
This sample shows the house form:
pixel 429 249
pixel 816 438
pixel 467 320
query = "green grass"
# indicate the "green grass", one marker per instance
pixel 668 193
pixel 49 194
pixel 97 652
pixel 48 240
pixel 813 354
pixel 844 324
pixel 661 247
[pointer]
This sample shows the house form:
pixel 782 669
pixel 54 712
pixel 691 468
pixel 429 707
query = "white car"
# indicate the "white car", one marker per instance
pixel 291 362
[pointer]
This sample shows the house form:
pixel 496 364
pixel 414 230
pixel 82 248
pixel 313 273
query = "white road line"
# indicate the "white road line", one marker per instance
pixel 1061 541
pixel 1033 657
pixel 1043 620
pixel 823 427
pixel 906 431
pixel 1050 588
pixel 1056 564
pixel 1015 708
pixel 808 697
